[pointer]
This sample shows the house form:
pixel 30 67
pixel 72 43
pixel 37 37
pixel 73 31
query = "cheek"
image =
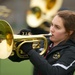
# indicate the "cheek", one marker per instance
pixel 58 36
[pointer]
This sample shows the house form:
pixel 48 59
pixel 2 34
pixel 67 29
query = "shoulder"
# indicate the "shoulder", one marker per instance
pixel 72 48
pixel 70 51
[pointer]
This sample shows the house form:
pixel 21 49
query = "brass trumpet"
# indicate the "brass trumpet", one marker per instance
pixel 8 40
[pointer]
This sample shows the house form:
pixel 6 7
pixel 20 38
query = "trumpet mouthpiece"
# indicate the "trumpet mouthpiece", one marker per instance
pixel 47 35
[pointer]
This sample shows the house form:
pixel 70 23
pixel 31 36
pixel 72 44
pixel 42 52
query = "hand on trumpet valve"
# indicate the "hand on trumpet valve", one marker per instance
pixel 25 47
pixel 25 32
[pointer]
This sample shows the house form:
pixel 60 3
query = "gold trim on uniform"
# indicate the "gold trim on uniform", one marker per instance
pixel 56 55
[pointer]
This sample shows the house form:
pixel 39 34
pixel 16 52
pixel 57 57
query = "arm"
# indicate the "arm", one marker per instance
pixel 62 67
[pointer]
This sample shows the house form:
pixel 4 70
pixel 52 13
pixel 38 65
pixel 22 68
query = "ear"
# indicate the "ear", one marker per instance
pixel 71 32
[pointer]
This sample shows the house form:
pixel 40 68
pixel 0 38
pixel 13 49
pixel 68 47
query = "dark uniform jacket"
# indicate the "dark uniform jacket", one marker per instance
pixel 60 60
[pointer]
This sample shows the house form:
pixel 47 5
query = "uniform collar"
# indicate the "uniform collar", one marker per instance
pixel 62 45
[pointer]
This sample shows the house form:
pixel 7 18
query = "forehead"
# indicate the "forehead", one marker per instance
pixel 58 21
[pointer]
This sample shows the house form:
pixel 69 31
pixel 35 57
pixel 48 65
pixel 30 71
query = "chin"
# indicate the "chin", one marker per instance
pixel 52 39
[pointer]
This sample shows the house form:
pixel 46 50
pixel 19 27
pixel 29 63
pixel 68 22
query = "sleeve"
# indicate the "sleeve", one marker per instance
pixel 63 66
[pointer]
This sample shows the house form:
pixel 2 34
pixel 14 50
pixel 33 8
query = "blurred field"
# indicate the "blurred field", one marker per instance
pixel 13 68
pixel 8 67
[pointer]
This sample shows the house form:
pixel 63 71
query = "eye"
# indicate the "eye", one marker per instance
pixel 57 27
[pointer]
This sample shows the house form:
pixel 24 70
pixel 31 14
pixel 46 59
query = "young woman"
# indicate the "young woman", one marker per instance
pixel 60 59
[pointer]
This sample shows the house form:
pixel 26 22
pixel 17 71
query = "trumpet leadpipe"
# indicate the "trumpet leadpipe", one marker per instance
pixel 31 36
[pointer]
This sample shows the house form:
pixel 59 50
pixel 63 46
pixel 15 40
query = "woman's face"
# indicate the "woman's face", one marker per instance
pixel 58 30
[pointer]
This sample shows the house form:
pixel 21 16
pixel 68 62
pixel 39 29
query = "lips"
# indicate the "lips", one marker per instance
pixel 51 34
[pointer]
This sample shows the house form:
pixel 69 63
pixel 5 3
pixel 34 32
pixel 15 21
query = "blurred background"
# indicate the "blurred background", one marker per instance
pixel 35 15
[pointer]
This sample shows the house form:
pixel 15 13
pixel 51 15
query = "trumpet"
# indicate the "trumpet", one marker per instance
pixel 8 40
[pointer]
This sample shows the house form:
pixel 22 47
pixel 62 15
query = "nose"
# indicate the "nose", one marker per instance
pixel 51 29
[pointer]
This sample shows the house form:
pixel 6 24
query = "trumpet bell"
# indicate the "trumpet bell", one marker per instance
pixel 6 39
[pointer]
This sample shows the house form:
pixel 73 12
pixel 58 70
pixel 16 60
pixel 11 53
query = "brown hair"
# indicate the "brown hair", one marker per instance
pixel 68 17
